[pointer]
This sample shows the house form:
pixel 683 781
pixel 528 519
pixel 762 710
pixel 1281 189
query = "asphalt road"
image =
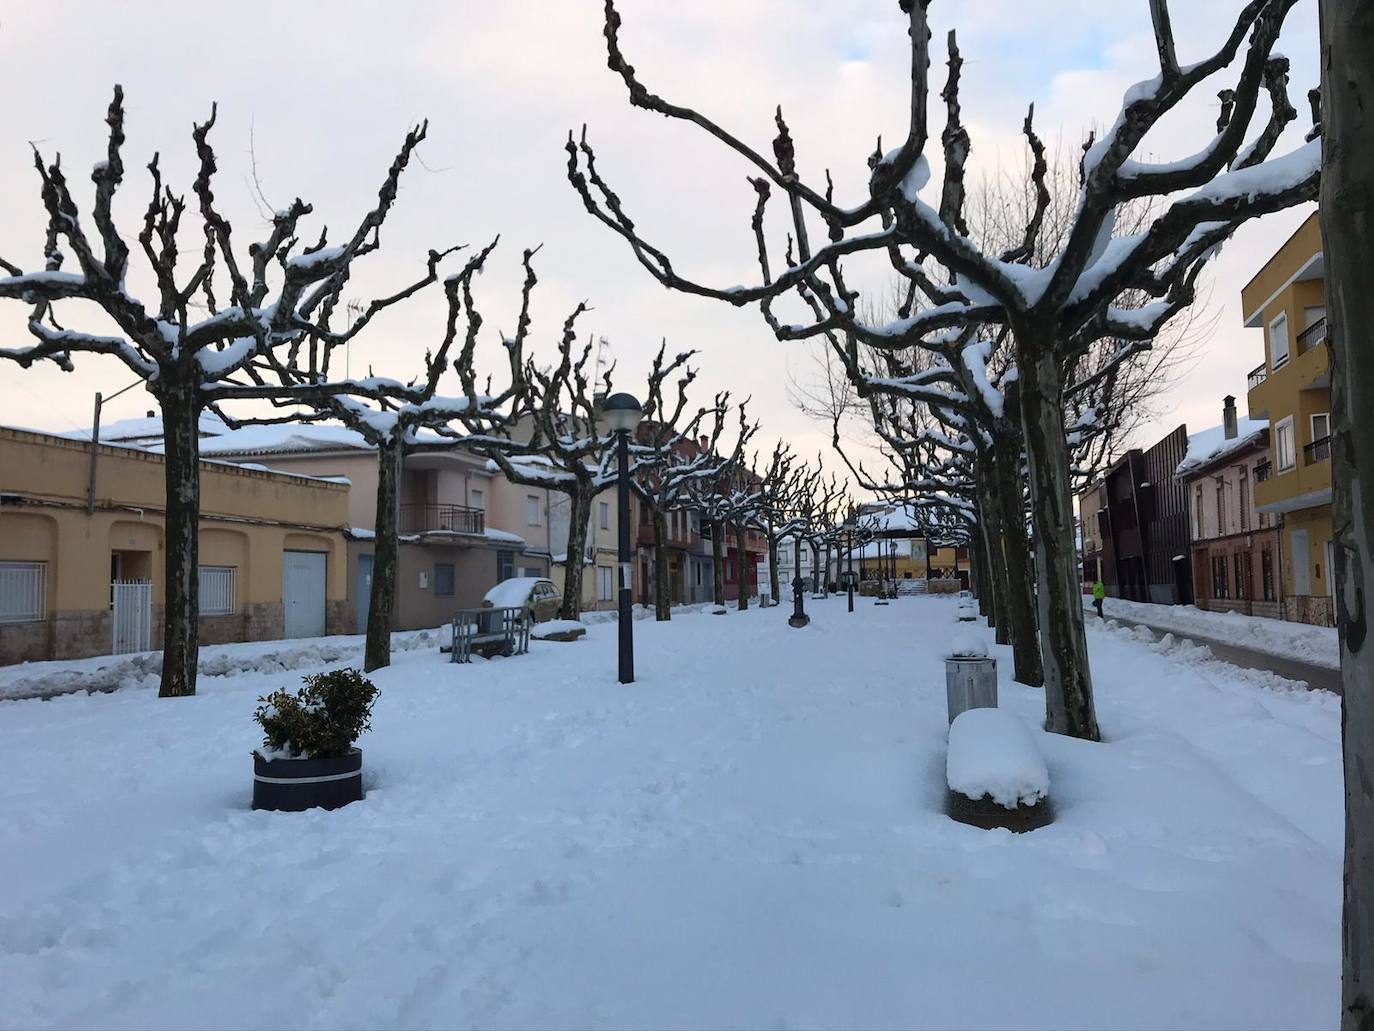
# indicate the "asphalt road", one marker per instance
pixel 1317 678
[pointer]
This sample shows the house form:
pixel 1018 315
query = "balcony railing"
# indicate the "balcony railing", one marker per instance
pixel 1256 377
pixel 1317 451
pixel 1312 336
pixel 442 519
pixel 1263 471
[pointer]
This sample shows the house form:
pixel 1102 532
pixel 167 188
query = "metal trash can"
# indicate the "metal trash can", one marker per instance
pixel 970 677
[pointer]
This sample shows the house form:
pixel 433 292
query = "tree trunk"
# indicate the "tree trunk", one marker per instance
pixel 743 564
pixel 663 602
pixel 181 609
pixel 816 587
pixel 718 560
pixel 385 556
pixel 1064 646
pixel 579 515
pixel 1347 206
pixel 993 574
pixel 1019 599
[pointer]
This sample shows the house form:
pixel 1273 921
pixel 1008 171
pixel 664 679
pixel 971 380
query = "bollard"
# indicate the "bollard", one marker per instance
pixel 970 677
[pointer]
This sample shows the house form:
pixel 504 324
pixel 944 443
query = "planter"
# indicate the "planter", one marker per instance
pixel 293 785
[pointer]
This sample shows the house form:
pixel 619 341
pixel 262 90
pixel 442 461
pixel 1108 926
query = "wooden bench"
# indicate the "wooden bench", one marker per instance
pixel 489 631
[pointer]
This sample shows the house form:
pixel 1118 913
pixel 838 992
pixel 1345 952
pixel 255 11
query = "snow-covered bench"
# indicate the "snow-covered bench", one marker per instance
pixel 559 630
pixel 995 772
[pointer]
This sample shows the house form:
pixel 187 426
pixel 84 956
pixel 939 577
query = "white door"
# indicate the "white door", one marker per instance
pixel 302 592
pixel 1302 564
pixel 132 610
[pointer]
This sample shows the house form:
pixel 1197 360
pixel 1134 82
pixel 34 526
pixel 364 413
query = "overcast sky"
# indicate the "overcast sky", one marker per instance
pixel 322 93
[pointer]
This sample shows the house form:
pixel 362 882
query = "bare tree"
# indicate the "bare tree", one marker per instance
pixel 199 340
pixel 1052 313
pixel 774 504
pixel 1347 214
pixel 672 456
pixel 715 499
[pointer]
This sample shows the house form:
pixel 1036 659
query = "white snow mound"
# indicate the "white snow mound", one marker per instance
pixel 968 646
pixel 991 752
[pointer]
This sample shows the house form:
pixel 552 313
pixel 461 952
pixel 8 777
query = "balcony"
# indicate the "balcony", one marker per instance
pixel 1312 336
pixel 1263 471
pixel 1317 451
pixel 1256 377
pixel 442 519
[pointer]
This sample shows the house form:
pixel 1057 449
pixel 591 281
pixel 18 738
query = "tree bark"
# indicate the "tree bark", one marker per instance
pixel 385 556
pixel 663 602
pixel 181 609
pixel 579 516
pixel 773 584
pixel 1019 598
pixel 992 574
pixel 1347 206
pixel 1064 646
pixel 816 587
pixel 718 560
pixel 743 564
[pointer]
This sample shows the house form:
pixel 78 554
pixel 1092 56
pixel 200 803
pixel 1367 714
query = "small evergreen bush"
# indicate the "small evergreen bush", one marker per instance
pixel 321 720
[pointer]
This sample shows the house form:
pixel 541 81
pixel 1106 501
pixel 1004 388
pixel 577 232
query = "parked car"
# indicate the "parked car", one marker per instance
pixel 535 594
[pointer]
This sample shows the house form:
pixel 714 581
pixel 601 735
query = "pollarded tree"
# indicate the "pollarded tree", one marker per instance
pixel 714 498
pixel 1052 312
pixel 394 426
pixel 192 341
pixel 775 501
pixel 671 456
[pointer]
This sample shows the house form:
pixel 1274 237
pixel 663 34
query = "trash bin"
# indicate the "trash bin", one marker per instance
pixel 970 676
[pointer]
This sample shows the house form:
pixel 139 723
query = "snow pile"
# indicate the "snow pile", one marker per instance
pixel 557 626
pixel 991 753
pixel 1318 645
pixel 513 593
pixel 1207 446
pixel 968 645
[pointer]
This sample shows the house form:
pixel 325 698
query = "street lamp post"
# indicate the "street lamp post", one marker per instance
pixel 849 542
pixel 622 413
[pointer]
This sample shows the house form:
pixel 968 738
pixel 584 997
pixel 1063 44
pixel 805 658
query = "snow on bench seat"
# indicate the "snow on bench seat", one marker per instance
pixel 995 772
pixel 559 630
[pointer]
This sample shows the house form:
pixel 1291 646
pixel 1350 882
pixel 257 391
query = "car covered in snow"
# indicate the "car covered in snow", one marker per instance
pixel 535 594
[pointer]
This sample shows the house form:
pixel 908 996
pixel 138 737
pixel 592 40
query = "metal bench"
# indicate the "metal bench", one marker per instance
pixel 489 631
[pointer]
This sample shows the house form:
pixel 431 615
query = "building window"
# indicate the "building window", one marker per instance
pixel 1278 341
pixel 1267 574
pixel 218 590
pixel 1321 426
pixel 605 583
pixel 606 515
pixel 443 579
pixel 23 591
pixel 1238 560
pixel 1220 579
pixel 1285 457
pixel 1198 533
pixel 476 499
pixel 532 509
pixel 505 565
pixel 729 570
pixel 1244 483
pixel 1221 508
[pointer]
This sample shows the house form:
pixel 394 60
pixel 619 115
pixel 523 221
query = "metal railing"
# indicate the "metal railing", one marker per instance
pixel 1263 471
pixel 1317 451
pixel 442 519
pixel 23 589
pixel 218 590
pixel 1312 336
pixel 1256 377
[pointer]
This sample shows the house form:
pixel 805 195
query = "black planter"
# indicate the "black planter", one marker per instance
pixel 292 785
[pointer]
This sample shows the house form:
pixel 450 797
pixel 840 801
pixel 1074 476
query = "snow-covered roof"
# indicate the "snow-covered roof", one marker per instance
pixel 1208 446
pixel 148 429
pixel 294 438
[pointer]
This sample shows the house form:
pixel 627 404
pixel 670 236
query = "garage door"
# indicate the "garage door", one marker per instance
pixel 302 592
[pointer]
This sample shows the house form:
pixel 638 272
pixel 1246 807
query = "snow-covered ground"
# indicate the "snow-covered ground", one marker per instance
pixel 1317 645
pixel 752 835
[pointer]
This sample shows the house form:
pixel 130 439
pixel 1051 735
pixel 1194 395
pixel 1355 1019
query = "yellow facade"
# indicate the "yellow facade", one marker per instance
pixel 250 519
pixel 1291 389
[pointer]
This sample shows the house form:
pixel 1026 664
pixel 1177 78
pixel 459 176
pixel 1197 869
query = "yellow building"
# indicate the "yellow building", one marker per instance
pixel 1291 388
pixel 82 560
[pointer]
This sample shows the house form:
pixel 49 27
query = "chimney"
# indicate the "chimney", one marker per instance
pixel 152 414
pixel 1228 418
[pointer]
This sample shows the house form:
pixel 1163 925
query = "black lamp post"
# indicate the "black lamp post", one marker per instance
pixel 849 547
pixel 622 413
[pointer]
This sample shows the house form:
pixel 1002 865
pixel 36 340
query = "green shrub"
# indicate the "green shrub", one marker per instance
pixel 322 719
